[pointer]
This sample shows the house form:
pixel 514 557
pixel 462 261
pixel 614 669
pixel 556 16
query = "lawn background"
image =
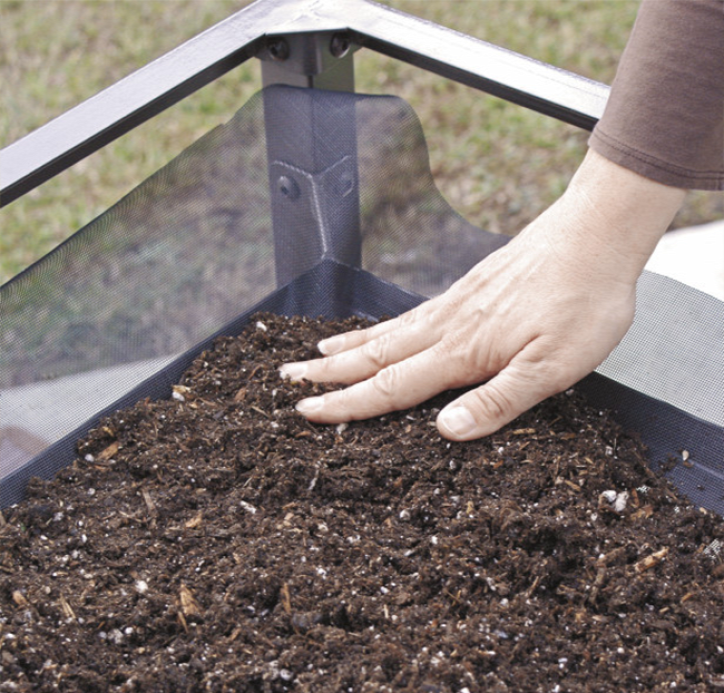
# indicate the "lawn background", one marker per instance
pixel 496 163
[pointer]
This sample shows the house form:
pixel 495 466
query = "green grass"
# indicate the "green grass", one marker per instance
pixel 496 163
pixel 93 45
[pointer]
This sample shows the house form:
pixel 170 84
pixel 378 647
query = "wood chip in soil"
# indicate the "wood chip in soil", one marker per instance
pixel 216 541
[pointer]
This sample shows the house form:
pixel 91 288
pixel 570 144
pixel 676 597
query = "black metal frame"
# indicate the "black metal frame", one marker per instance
pixel 271 30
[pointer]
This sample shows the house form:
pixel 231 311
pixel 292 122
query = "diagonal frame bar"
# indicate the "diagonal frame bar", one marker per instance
pixel 67 139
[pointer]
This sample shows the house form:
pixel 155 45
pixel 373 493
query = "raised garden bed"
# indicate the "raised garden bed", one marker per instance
pixel 216 541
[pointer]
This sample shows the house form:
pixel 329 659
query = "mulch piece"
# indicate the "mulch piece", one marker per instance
pixel 216 541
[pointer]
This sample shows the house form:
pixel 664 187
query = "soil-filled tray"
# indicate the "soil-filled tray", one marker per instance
pixel 216 541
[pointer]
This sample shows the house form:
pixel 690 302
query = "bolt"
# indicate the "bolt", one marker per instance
pixel 288 187
pixel 339 45
pixel 278 49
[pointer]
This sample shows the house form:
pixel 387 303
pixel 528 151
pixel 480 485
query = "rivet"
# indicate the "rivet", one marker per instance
pixel 339 45
pixel 288 187
pixel 278 49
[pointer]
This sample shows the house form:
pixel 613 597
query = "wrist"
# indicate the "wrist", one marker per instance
pixel 624 207
pixel 613 216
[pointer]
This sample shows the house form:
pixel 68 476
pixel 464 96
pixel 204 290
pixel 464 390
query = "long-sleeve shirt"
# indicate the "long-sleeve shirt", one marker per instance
pixel 665 115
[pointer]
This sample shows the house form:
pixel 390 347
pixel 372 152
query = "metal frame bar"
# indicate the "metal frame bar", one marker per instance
pixel 62 142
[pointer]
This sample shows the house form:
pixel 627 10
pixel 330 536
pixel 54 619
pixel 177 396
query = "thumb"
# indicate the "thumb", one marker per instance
pixel 486 409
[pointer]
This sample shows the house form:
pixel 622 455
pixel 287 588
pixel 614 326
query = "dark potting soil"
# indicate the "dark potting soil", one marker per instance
pixel 217 541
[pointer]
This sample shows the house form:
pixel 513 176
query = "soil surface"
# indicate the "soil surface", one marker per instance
pixel 216 541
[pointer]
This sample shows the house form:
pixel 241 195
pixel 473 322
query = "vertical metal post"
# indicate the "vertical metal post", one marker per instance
pixel 312 152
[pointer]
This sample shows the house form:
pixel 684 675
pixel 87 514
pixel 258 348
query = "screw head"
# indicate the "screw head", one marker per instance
pixel 339 45
pixel 288 187
pixel 278 49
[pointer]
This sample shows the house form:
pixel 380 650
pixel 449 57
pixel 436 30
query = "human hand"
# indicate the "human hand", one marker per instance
pixel 531 319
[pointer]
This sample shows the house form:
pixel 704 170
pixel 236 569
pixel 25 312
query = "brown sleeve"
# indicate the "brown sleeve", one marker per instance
pixel 665 114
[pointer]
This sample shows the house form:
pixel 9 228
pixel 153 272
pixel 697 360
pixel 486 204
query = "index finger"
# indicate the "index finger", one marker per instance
pixel 398 386
pixel 364 361
pixel 356 338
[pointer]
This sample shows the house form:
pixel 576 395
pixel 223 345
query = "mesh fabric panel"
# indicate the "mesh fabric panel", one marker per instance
pixel 194 246
pixel 311 202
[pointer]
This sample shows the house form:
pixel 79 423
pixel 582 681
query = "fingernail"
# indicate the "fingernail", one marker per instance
pixel 309 406
pixel 458 420
pixel 293 371
pixel 331 345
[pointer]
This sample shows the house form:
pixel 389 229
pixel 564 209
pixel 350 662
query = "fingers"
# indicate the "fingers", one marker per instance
pixel 351 340
pixel 364 361
pixel 355 338
pixel 398 386
pixel 365 353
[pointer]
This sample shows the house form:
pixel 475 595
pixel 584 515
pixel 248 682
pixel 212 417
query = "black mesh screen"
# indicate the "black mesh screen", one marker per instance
pixel 304 202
